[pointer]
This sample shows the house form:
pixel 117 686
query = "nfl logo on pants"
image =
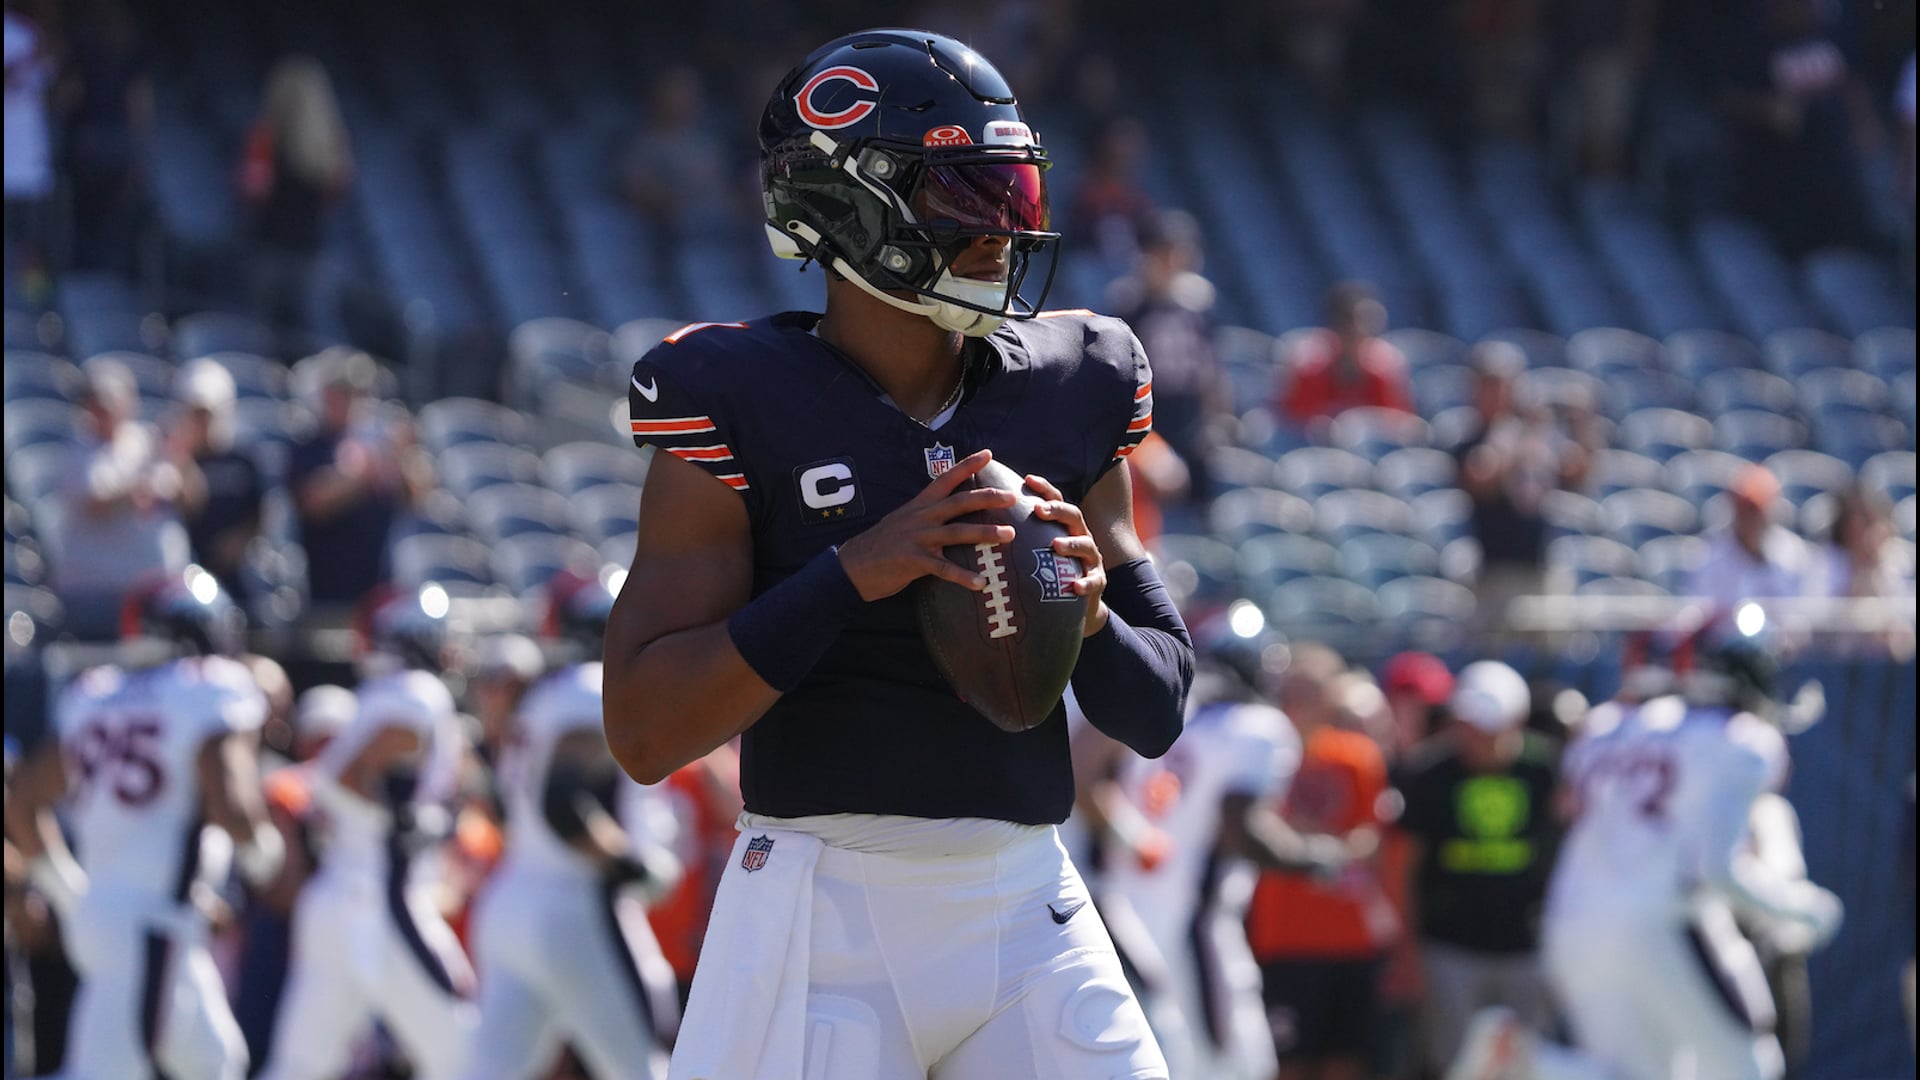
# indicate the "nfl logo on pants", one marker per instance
pixel 756 854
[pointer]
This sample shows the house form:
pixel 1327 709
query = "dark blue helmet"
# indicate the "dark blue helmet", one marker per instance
pixel 189 609
pixel 409 625
pixel 886 153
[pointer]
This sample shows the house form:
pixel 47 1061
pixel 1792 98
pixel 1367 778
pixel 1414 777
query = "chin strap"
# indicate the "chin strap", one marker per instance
pixel 945 315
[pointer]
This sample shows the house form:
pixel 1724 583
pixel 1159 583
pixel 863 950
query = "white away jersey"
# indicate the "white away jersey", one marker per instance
pixel 357 829
pixel 132 742
pixel 555 707
pixel 1227 748
pixel 1663 794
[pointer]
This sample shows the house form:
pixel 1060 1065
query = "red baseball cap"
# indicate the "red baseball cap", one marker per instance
pixel 1422 674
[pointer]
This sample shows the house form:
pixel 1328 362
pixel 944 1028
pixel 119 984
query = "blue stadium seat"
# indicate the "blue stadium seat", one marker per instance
pixel 1372 433
pixel 1615 470
pixel 449 422
pixel 502 510
pixel 1569 513
pixel 202 333
pixel 1806 473
pixel 1743 388
pixel 1602 350
pixel 32 422
pixel 527 562
pixel 1841 386
pixel 1313 471
pixel 1539 347
pixel 1639 515
pixel 1442 516
pixel 1890 473
pixel 1339 516
pixel 1429 600
pixel 1854 435
pixel 1699 475
pixel 1415 471
pixel 1619 586
pixel 1243 513
pixel 1886 351
pixel 1441 386
pixel 575 466
pixel 1266 562
pixel 1322 603
pixel 426 557
pixel 1581 559
pixel 1377 558
pixel 1670 561
pixel 38 376
pixel 1757 433
pixel 467 468
pixel 1231 467
pixel 1856 291
pixel 1426 348
pixel 1793 353
pixel 152 375
pixel 1695 354
pixel 1663 433
pixel 603 510
pixel 1197 569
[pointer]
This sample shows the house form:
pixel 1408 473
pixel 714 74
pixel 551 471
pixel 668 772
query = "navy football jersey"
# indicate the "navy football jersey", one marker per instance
pixel 809 442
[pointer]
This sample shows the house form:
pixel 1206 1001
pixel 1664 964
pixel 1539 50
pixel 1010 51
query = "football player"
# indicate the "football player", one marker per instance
pixel 1639 937
pixel 898 903
pixel 367 938
pixel 560 932
pixel 161 781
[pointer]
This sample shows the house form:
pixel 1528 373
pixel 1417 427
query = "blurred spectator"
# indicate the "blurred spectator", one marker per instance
pixel 1802 118
pixel 220 487
pixel 1345 365
pixel 1860 559
pixel 706 801
pixel 1170 307
pixel 1109 207
pixel 1603 48
pixel 1479 811
pixel 108 128
pixel 1514 456
pixel 1505 50
pixel 1753 556
pixel 297 164
pixel 1161 479
pixel 350 479
pixel 30 67
pixel 117 519
pixel 1417 686
pixel 675 171
pixel 1320 942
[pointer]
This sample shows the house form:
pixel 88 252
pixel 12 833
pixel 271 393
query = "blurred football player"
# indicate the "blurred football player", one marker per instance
pixel 560 932
pixel 1639 938
pixel 897 903
pixel 161 781
pixel 1210 799
pixel 368 940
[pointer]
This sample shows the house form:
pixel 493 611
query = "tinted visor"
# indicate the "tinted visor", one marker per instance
pixel 998 198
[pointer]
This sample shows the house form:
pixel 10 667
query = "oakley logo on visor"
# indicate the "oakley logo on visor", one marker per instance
pixel 947 136
pixel 851 113
pixel 1006 198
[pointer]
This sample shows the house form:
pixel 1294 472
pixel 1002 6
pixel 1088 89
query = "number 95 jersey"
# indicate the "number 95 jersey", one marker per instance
pixel 132 741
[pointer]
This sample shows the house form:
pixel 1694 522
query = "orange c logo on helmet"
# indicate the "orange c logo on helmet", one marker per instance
pixel 839 118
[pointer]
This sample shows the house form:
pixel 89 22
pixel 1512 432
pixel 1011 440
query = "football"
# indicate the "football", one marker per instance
pixel 1008 650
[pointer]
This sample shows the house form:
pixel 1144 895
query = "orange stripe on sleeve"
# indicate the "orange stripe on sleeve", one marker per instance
pixel 682 425
pixel 1145 389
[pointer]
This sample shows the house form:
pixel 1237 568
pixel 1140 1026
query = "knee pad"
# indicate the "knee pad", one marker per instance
pixel 843 1038
pixel 1103 1015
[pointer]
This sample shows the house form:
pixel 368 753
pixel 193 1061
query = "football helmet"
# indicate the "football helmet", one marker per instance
pixel 407 625
pixel 188 609
pixel 885 154
pixel 577 609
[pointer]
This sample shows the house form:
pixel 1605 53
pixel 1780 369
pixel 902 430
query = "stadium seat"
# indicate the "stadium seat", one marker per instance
pixel 90 333
pixel 449 422
pixel 1604 349
pixel 543 349
pixel 1891 474
pixel 268 430
pixel 1566 388
pixel 504 510
pixel 36 471
pixel 152 375
pixel 1569 513
pixel 1757 433
pixel 1248 357
pixel 39 375
pixel 1442 516
pixel 1615 470
pixel 1640 515
pixel 203 333
pixel 25 331
pixel 1580 559
pixel 438 511
pixel 1855 435
pixel 1267 561
pixel 1841 386
pixel 23 564
pixel 1670 561
pixel 304 376
pixel 470 467
pixel 1806 473
pixel 1374 432
pixel 1415 471
pixel 1886 351
pixel 1313 471
pixel 1375 559
pixel 1426 349
pixel 525 563
pixel 1744 388
pixel 1662 434
pixel 1695 354
pixel 1323 603
pixel 31 422
pixel 1619 586
pixel 1231 467
pixel 603 510
pixel 1699 475
pixel 1539 347
pixel 1339 516
pixel 1793 353
pixel 617 550
pixel 1446 604
pixel 425 557
pixel 571 467
pixel 1449 429
pixel 254 375
pixel 1243 513
pixel 1441 386
pixel 1197 569
pixel 1629 390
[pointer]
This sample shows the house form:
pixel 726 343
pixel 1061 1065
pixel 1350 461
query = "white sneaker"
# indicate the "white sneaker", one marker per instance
pixel 1495 1048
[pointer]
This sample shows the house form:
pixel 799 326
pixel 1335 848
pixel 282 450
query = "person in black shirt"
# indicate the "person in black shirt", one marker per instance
pixel 1479 811
pixel 220 487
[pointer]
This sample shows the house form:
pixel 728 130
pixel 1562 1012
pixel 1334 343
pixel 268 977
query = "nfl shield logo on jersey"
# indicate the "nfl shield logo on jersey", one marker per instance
pixel 940 458
pixel 1055 572
pixel 758 849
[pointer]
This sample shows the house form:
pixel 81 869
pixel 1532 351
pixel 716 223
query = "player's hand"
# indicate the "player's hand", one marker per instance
pixel 1821 913
pixel 907 544
pixel 1078 544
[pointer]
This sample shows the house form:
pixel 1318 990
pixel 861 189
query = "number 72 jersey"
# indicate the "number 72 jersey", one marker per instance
pixel 131 741
pixel 1663 792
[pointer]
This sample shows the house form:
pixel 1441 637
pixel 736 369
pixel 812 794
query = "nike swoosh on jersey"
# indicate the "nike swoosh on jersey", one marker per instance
pixel 1062 916
pixel 649 389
